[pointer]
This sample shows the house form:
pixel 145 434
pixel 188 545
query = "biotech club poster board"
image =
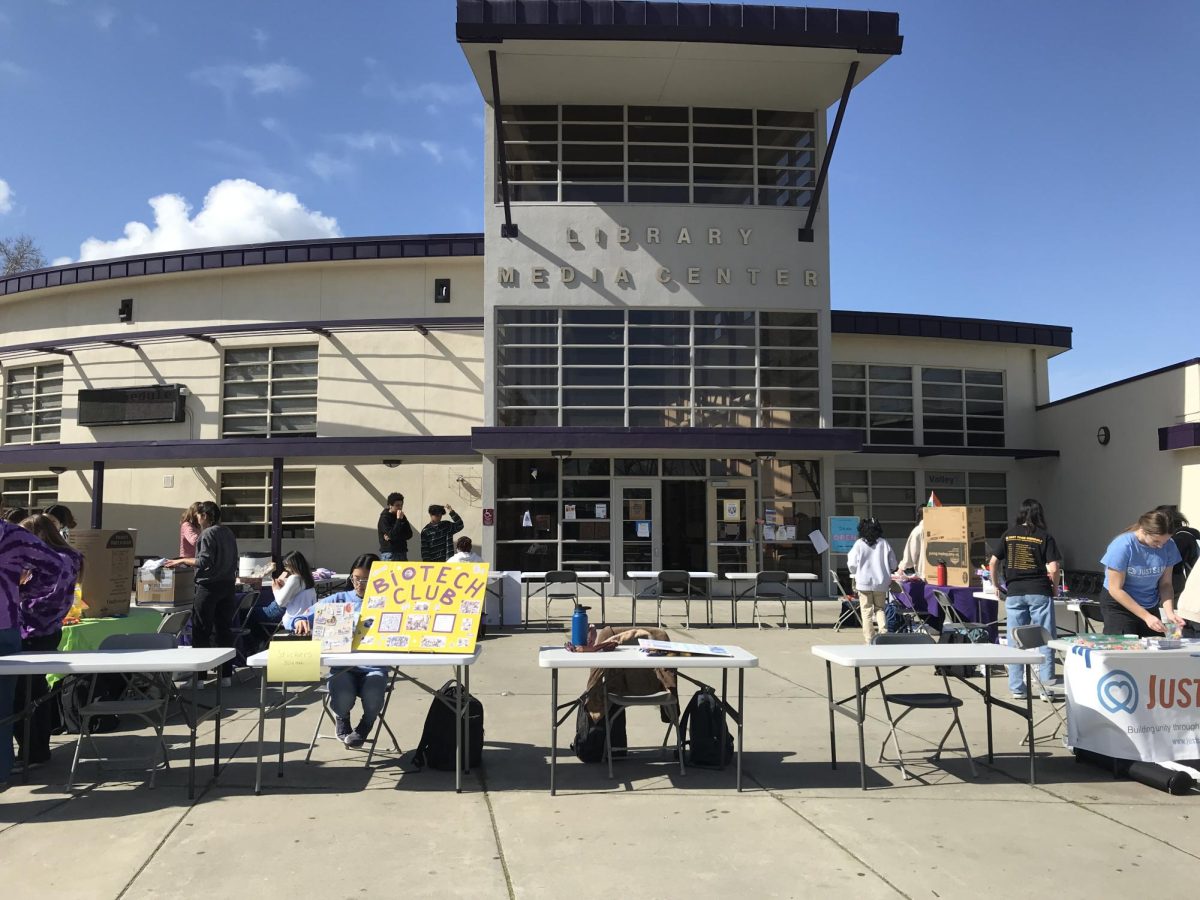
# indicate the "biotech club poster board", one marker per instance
pixel 413 607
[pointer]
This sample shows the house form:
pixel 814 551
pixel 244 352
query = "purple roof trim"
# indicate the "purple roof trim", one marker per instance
pixel 489 21
pixel 40 455
pixel 407 246
pixel 1179 437
pixel 950 327
pixel 739 440
pixel 913 450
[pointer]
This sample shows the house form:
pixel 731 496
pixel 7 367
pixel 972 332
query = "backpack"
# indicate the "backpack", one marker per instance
pixel 73 696
pixel 706 731
pixel 436 747
pixel 977 634
pixel 589 734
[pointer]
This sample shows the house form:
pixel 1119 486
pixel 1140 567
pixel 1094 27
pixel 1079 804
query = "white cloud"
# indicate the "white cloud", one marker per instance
pixel 440 153
pixel 10 71
pixel 376 141
pixel 61 261
pixel 6 195
pixel 260 37
pixel 104 17
pixel 326 166
pixel 269 78
pixel 433 94
pixel 235 211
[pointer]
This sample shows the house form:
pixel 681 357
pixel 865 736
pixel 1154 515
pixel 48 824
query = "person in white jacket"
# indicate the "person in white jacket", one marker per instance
pixel 871 563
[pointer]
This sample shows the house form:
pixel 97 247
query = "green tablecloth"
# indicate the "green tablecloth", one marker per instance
pixel 88 634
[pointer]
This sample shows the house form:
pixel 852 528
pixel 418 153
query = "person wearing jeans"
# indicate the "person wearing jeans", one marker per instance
pixel 1029 556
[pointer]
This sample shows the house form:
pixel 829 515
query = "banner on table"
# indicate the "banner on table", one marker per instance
pixel 412 607
pixel 1134 704
pixel 843 532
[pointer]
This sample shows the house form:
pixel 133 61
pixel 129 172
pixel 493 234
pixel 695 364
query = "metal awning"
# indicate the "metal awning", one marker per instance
pixel 780 441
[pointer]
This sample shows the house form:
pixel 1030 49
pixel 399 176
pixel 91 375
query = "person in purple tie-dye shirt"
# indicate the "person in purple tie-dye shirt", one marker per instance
pixel 24 561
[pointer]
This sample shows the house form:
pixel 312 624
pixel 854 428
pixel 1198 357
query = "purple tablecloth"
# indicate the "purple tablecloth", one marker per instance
pixel 918 596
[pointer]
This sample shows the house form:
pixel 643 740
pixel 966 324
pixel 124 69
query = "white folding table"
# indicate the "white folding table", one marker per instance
pixel 652 575
pixel 99 662
pixel 555 658
pixel 589 579
pixel 902 656
pixel 397 662
pixel 804 578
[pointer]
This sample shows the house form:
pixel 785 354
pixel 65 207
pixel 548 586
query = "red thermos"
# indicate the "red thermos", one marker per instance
pixel 941 574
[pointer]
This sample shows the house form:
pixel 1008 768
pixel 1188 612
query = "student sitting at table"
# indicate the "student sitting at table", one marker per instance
pixel 41 611
pixel 368 683
pixel 294 591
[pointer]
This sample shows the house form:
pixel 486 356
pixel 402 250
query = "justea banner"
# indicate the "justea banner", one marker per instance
pixel 1134 705
pixel 422 607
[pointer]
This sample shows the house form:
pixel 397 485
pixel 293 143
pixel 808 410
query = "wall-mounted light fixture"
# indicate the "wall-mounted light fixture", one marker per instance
pixel 125 310
pixel 392 463
pixel 441 290
pixel 1103 435
pixel 560 454
pixel 57 470
pixel 764 455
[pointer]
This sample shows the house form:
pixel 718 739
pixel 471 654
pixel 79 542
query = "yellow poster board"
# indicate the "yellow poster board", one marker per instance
pixel 294 661
pixel 413 607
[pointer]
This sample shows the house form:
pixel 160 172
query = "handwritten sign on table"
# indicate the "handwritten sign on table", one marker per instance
pixel 412 607
pixel 294 661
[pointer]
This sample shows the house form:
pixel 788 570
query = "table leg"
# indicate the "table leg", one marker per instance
pixel 832 731
pixel 262 722
pixel 192 748
pixel 987 703
pixel 26 725
pixel 740 720
pixel 217 735
pixel 527 584
pixel 467 724
pixel 603 614
pixel 553 726
pixel 860 703
pixel 1029 720
pixel 458 729
pixel 282 725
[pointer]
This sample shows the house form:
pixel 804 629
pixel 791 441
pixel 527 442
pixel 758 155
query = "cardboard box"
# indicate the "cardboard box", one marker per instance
pixel 176 587
pixel 108 556
pixel 954 535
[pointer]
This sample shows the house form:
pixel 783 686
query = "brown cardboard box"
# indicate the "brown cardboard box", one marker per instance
pixel 174 586
pixel 108 558
pixel 954 535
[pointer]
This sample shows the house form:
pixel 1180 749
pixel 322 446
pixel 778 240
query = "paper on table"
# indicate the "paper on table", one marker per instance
pixel 818 541
pixel 294 661
pixel 678 647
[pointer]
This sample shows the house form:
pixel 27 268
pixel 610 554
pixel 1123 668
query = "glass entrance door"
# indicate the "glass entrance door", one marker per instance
pixel 732 535
pixel 637 537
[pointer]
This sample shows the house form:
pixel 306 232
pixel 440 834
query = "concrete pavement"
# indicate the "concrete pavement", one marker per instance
pixel 799 829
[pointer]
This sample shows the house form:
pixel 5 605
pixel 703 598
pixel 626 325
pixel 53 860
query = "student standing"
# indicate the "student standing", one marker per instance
pixel 216 563
pixel 1138 585
pixel 437 538
pixel 42 609
pixel 1187 540
pixel 25 561
pixel 394 529
pixel 62 515
pixel 189 531
pixel 871 562
pixel 914 548
pixel 1030 558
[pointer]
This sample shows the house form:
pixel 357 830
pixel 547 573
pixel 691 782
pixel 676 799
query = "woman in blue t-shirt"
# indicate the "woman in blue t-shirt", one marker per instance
pixel 1137 578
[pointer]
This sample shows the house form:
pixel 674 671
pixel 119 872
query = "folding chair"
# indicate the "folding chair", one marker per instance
pixel 848 610
pixel 915 622
pixel 1033 637
pixel 373 740
pixel 910 702
pixel 145 696
pixel 562 585
pixel 670 584
pixel 173 622
pixel 954 620
pixel 664 700
pixel 772 586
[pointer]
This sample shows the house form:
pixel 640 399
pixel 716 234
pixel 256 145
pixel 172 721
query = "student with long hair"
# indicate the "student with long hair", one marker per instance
pixel 189 530
pixel 871 562
pixel 1138 585
pixel 1030 557
pixel 41 612
pixel 293 594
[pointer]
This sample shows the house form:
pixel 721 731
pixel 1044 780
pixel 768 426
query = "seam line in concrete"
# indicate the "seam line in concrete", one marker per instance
pixel 487 799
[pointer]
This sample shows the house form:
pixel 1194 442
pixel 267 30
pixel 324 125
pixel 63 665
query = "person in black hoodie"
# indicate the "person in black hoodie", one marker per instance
pixel 1187 539
pixel 394 529
pixel 216 564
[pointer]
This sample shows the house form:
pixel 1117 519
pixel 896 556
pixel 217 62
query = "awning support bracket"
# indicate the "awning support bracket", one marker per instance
pixel 508 229
pixel 806 233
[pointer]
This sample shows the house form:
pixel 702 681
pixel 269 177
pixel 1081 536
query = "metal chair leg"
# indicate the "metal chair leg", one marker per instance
pixel 607 730
pixel 325 711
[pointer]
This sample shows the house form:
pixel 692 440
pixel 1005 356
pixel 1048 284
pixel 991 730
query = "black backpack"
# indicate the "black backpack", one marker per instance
pixel 589 735
pixel 706 731
pixel 436 747
pixel 977 634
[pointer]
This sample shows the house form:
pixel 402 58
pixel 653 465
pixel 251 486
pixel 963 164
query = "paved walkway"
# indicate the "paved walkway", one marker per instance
pixel 799 829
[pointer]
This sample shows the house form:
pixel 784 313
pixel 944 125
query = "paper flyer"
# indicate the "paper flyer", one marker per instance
pixel 412 607
pixel 601 510
pixel 818 541
pixel 333 626
pixel 643 528
pixel 294 661
pixel 768 532
pixel 568 512
pixel 677 647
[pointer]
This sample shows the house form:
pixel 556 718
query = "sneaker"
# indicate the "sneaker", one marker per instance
pixel 342 728
pixel 354 739
pixel 1020 695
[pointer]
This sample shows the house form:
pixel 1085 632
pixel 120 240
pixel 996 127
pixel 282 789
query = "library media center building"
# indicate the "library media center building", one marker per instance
pixel 635 366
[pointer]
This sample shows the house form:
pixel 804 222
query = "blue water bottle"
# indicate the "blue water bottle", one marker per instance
pixel 579 626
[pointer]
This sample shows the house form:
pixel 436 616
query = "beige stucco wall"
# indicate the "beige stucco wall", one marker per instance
pixel 1092 492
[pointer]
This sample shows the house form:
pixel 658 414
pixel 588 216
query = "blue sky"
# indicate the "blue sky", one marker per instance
pixel 1027 160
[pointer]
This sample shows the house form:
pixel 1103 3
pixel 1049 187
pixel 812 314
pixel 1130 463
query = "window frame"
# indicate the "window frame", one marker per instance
pixel 42 373
pixel 262 522
pixel 272 381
